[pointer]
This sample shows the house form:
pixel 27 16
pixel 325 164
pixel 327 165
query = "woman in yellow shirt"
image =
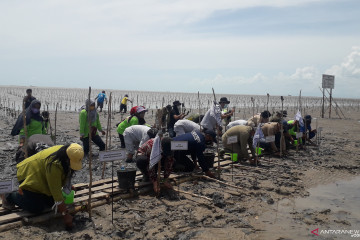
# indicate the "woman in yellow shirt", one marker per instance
pixel 41 178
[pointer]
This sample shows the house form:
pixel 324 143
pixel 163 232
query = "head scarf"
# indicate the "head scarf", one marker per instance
pixel 29 115
pixel 92 113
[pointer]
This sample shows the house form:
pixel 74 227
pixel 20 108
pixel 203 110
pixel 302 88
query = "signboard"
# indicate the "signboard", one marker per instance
pixel 299 135
pixel 109 156
pixel 328 81
pixel 6 186
pixel 232 139
pixel 179 145
pixel 270 138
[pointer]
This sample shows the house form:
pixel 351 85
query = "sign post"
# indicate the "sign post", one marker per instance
pixel 232 140
pixel 6 186
pixel 328 81
pixel 111 156
pixel 179 146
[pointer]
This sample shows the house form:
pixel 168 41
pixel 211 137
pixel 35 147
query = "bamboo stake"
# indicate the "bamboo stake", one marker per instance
pixel 90 152
pixel 193 194
pixel 218 181
pixel 25 130
pixel 57 104
pixel 282 127
pixel 107 133
pixel 217 139
pixel 199 110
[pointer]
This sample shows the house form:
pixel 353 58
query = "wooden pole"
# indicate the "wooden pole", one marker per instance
pixel 253 106
pixel 281 126
pixel 267 103
pixel 217 139
pixel 323 104
pixel 199 110
pixel 90 152
pixel 25 130
pixel 57 104
pixel 108 126
pixel 330 102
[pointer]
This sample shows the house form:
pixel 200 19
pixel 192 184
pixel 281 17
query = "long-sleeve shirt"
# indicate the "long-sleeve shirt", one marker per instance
pixel 254 121
pixel 185 126
pixel 196 145
pixel 145 150
pixel 84 126
pixel 212 118
pixel 34 174
pixel 243 137
pixel 270 129
pixel 34 127
pixel 126 123
pixel 236 123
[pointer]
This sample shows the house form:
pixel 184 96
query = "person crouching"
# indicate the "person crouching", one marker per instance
pixel 41 178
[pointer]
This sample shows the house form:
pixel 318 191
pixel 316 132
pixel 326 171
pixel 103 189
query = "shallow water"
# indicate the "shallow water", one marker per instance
pixel 334 206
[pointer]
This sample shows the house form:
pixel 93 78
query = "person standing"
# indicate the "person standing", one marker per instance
pixel 175 115
pixel 100 100
pixel 28 98
pixel 123 104
pixel 85 131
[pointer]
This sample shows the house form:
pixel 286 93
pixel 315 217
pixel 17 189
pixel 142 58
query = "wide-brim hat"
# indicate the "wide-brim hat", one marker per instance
pixel 75 153
pixel 177 103
pixel 224 100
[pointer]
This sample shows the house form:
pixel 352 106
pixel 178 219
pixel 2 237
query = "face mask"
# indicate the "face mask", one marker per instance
pixel 226 105
pixel 35 110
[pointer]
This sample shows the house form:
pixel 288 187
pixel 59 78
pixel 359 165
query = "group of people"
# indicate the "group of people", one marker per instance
pixel 47 169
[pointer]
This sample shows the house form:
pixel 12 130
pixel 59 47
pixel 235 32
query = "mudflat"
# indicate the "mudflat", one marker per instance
pixel 281 199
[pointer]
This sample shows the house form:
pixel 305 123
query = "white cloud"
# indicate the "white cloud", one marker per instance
pixel 350 67
pixel 307 79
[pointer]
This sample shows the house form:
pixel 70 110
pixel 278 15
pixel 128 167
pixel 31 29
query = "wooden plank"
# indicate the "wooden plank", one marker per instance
pixel 94 196
pixel 14 216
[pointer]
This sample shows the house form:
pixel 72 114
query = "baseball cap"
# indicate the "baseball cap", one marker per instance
pixel 211 133
pixel 75 153
pixel 141 109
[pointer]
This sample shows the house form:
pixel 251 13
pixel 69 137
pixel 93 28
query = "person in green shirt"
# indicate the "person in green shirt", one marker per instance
pixel 41 179
pixel 85 131
pixel 134 119
pixel 35 123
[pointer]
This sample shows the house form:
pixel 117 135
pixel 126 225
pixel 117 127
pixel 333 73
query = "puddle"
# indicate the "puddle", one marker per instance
pixel 334 206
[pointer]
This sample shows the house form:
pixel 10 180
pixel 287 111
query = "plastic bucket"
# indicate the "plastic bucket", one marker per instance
pixel 258 150
pixel 69 198
pixel 234 157
pixel 126 178
pixel 210 158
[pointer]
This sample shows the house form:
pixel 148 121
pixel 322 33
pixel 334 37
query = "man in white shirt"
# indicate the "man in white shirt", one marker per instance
pixel 185 126
pixel 135 136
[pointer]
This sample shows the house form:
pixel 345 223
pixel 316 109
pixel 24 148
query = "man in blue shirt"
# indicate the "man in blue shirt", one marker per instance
pixel 100 100
pixel 196 145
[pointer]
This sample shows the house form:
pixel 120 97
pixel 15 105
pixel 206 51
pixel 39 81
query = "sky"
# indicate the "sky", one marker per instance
pixel 237 47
